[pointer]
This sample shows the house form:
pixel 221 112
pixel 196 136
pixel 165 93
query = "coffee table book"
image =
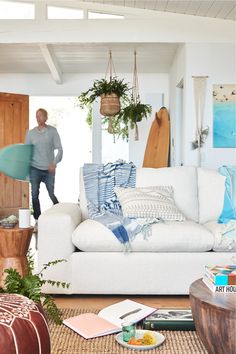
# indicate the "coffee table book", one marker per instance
pixel 231 289
pixel 176 319
pixel 109 320
pixel 222 275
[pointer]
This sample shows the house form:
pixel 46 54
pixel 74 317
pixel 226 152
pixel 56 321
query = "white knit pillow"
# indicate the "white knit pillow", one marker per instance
pixel 149 202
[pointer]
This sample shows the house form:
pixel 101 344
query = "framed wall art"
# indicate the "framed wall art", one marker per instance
pixel 224 116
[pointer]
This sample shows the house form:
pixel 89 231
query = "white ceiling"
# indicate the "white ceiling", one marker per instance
pixel 84 57
pixel 79 58
pixel 216 9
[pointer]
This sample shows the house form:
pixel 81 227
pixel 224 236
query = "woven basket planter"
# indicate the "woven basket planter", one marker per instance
pixel 110 105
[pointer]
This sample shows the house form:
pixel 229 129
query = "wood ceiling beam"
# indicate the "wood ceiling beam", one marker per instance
pixel 50 58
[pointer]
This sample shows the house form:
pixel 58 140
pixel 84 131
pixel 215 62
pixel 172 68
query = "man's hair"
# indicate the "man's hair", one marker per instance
pixel 43 111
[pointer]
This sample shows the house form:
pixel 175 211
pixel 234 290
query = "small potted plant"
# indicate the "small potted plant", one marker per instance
pixel 110 92
pixel 30 285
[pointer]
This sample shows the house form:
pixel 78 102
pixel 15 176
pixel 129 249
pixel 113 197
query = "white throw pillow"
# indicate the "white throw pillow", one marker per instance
pixel 149 202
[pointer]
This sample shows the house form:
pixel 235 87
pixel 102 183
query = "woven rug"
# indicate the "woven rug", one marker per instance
pixel 66 341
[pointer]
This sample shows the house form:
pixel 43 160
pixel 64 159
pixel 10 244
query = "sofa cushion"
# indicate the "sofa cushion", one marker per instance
pixel 211 188
pixel 182 179
pixel 149 202
pixel 173 236
pixel 224 235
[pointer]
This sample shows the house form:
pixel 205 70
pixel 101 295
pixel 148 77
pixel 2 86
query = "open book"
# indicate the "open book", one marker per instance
pixel 108 320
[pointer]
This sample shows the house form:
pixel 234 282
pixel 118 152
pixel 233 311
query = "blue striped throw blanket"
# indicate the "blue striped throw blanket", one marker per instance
pixel 227 238
pixel 103 205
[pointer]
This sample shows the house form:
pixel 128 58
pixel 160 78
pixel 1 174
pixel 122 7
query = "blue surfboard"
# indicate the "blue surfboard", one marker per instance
pixel 15 161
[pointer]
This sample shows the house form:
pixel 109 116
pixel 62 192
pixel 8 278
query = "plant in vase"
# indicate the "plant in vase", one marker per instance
pixel 30 285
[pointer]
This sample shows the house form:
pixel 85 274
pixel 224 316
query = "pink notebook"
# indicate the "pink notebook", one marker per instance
pixel 109 320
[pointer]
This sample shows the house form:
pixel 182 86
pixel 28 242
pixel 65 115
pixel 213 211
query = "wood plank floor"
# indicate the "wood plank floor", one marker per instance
pixel 98 302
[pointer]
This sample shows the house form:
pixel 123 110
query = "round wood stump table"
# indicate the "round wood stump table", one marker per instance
pixel 214 315
pixel 14 245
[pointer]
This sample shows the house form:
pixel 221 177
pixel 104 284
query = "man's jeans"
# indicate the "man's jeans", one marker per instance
pixel 36 177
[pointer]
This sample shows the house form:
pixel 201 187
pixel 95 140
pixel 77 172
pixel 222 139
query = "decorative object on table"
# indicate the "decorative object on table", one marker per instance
pixel 158 143
pixel 224 116
pixel 110 91
pixel 30 285
pixel 23 327
pixel 24 218
pixel 108 320
pixel 199 84
pixel 133 111
pixel 15 161
pixel 9 222
pixel 175 319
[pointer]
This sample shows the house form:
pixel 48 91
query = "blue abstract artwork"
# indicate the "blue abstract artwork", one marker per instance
pixel 224 116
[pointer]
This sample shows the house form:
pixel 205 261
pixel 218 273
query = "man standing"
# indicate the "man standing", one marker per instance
pixel 45 140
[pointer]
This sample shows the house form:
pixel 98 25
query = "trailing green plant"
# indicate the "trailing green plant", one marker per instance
pixel 128 116
pixel 30 285
pixel 103 87
pixel 134 112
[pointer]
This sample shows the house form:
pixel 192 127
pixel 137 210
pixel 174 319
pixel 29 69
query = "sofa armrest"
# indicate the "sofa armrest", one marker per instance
pixel 55 227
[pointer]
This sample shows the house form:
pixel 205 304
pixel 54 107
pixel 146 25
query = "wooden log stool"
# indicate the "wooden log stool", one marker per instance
pixel 23 327
pixel 14 244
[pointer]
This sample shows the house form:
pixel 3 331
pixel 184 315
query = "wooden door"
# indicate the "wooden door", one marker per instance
pixel 14 121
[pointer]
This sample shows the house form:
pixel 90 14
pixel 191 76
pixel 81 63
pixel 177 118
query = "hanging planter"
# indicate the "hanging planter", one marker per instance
pixel 110 90
pixel 134 111
pixel 110 105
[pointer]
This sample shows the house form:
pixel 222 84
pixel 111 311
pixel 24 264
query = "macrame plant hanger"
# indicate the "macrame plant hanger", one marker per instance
pixel 112 104
pixel 110 67
pixel 199 84
pixel 135 92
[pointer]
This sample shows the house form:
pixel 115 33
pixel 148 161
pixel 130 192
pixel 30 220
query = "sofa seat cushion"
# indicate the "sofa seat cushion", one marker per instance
pixel 174 236
pixel 224 236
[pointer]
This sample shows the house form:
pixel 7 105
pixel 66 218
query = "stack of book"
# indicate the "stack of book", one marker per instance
pixel 221 279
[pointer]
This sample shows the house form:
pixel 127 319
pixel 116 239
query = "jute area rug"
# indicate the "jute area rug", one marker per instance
pixel 65 341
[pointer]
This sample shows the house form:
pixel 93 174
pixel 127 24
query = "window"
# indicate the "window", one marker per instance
pixel 12 10
pixel 64 13
pixel 99 15
pixel 113 150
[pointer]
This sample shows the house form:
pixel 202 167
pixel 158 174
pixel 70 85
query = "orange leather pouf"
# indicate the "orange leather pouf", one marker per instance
pixel 23 327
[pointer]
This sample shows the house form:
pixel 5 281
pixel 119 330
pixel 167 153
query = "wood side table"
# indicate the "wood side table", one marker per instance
pixel 14 244
pixel 214 315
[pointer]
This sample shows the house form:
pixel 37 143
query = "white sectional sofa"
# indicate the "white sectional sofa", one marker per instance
pixel 166 263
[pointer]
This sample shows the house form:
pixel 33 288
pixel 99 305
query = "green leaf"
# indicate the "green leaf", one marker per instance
pixel 30 285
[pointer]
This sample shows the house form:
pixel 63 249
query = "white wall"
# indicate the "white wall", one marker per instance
pixel 217 61
pixel 151 86
pixel 177 73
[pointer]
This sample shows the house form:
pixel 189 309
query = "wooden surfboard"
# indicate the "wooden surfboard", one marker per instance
pixel 157 148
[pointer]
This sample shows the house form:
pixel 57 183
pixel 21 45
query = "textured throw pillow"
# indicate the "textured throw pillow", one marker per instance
pixel 149 202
